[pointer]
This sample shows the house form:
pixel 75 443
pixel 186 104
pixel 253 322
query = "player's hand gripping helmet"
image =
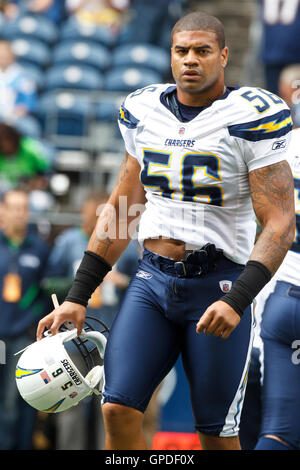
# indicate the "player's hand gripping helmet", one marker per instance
pixel 51 378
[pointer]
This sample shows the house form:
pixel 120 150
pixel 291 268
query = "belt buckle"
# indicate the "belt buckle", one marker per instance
pixel 180 264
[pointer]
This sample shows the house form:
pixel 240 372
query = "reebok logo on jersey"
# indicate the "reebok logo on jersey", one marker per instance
pixel 225 286
pixel 144 274
pixel 279 144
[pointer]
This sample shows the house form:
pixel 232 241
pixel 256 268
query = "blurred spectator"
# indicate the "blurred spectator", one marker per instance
pixel 54 10
pixel 151 21
pixel 21 160
pixel 8 10
pixel 63 262
pixel 18 92
pixel 280 43
pixel 103 13
pixel 23 257
pixel 289 86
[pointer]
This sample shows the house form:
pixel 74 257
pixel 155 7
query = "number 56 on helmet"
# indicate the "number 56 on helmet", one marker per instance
pixel 48 378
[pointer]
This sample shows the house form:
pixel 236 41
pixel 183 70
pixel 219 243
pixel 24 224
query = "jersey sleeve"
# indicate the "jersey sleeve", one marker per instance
pixel 133 112
pixel 128 126
pixel 263 139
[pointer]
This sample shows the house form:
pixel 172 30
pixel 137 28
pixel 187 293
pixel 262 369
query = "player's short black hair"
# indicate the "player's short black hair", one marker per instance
pixel 200 21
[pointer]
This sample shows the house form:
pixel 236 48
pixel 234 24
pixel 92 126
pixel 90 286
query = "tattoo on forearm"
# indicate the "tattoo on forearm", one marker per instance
pixel 270 250
pixel 123 171
pixel 272 184
pixel 272 188
pixel 101 245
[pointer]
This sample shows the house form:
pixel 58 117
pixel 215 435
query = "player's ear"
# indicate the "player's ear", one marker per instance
pixel 224 56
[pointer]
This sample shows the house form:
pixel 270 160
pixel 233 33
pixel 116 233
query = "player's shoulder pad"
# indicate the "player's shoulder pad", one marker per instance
pixel 139 103
pixel 259 115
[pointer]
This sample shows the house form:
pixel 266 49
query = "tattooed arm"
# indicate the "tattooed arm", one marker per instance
pixel 272 192
pixel 109 239
pixel 121 213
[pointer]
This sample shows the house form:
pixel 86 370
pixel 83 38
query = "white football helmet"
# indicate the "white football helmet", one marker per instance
pixel 47 377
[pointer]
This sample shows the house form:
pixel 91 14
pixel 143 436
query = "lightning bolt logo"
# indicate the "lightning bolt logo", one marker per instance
pixel 272 126
pixel 20 372
pixel 122 115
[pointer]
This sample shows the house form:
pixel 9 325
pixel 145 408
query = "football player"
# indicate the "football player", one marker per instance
pixel 200 156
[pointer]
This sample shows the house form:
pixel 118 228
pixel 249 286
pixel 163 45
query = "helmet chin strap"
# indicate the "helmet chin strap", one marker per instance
pixel 97 338
pixel 93 378
pixel 95 375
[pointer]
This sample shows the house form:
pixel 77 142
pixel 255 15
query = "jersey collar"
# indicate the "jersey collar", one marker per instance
pixel 169 99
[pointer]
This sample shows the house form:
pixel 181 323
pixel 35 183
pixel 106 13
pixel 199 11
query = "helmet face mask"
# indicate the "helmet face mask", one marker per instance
pixel 57 372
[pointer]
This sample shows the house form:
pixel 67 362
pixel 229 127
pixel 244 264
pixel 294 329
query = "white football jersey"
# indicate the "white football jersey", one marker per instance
pixel 196 173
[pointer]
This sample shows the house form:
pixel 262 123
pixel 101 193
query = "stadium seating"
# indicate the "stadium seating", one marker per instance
pixel 31 27
pixel 81 77
pixel 142 55
pixel 107 108
pixel 82 52
pixel 34 72
pixel 31 51
pixel 63 116
pixel 73 30
pixel 128 79
pixel 29 126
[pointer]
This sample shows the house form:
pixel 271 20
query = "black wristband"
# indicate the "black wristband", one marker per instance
pixel 254 277
pixel 91 272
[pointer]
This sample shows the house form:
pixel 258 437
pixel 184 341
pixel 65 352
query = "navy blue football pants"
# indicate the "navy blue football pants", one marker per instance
pixel 157 322
pixel 280 331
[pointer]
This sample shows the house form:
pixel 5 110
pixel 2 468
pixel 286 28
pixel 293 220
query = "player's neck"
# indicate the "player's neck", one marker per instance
pixel 201 98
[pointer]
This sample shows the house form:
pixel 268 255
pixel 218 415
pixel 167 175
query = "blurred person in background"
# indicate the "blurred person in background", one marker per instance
pixel 54 10
pixel 63 263
pixel 22 160
pixel 280 21
pixel 289 86
pixel 18 93
pixel 150 21
pixel 23 256
pixel 100 13
pixel 270 417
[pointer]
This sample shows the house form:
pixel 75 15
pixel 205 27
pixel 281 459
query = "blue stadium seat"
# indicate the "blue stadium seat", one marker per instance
pixel 81 77
pixel 142 55
pixel 34 72
pixel 29 126
pixel 128 79
pixel 82 52
pixel 32 51
pixel 65 114
pixel 107 111
pixel 31 26
pixel 107 108
pixel 73 30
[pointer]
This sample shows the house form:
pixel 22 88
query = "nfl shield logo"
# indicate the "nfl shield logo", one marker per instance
pixel 225 286
pixel 181 130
